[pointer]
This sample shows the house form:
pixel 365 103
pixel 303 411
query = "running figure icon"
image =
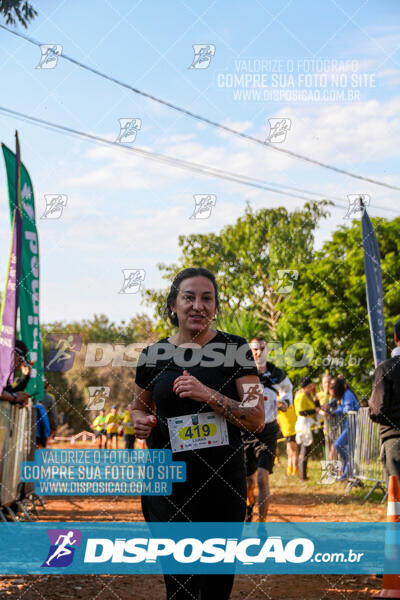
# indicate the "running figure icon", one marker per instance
pixel 63 545
pixel 62 351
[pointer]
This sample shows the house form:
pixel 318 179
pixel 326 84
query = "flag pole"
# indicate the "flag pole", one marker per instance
pixel 18 218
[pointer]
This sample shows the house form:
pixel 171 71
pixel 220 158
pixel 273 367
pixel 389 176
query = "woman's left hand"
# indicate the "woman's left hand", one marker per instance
pixel 187 386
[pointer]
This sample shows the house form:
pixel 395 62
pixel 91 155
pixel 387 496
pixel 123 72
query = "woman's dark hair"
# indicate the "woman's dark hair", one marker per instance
pixel 173 292
pixel 21 348
pixel 339 387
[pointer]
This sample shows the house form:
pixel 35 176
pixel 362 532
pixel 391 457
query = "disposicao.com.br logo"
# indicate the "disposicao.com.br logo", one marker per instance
pixel 189 550
pixel 62 547
pixel 193 550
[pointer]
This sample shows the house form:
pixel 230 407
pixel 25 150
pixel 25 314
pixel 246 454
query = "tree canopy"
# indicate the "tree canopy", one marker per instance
pixel 249 259
pixel 101 329
pixel 328 308
pixel 17 11
pixel 70 388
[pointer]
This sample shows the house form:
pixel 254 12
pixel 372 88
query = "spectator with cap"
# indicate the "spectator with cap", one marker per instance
pixel 14 393
pixel 112 425
pixel 384 407
pixel 128 429
pixel 19 396
pixel 98 427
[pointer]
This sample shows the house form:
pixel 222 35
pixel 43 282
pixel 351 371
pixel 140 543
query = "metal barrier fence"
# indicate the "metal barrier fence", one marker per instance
pixel 5 409
pixel 333 427
pixel 17 443
pixel 363 448
pixel 13 454
pixel 30 445
pixel 367 448
pixel 353 426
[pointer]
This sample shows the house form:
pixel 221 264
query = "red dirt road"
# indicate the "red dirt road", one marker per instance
pixel 303 505
pixel 291 500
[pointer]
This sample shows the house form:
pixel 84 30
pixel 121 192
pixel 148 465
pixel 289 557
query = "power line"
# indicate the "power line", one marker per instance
pixel 206 120
pixel 180 163
pixel 163 158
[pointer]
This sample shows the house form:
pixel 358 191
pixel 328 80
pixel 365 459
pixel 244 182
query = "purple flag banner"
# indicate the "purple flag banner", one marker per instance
pixel 29 289
pixel 8 315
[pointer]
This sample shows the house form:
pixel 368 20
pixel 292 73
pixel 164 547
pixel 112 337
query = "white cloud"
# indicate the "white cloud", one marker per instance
pixel 241 126
pixel 88 296
pixel 154 232
pixel 389 76
pixel 342 135
pixel 378 38
pixel 127 212
pixel 357 132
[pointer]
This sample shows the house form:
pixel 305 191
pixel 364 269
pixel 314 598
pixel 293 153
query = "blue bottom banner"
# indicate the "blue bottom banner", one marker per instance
pixel 150 548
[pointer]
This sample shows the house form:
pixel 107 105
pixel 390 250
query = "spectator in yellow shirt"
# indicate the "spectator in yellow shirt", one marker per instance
pixel 287 423
pixel 112 422
pixel 305 405
pixel 98 427
pixel 129 432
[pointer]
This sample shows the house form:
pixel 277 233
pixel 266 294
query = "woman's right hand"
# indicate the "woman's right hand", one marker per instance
pixel 143 426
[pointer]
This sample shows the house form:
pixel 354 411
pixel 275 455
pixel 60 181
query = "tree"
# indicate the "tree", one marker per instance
pixel 246 258
pixel 328 308
pixel 17 11
pixel 101 329
pixel 241 323
pixel 70 387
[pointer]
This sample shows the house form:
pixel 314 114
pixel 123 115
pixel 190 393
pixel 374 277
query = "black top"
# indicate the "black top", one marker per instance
pixel 272 376
pixel 217 364
pixel 384 404
pixel 19 383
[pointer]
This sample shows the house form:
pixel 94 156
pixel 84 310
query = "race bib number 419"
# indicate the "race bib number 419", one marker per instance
pixel 193 432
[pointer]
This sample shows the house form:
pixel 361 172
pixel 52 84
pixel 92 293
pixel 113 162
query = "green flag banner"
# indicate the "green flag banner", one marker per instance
pixel 29 283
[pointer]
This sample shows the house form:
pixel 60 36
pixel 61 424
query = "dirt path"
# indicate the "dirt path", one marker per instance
pixel 291 500
pixel 301 505
pixel 149 587
pixel 304 504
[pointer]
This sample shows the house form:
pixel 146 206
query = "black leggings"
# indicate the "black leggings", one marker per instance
pixel 200 587
pixel 216 501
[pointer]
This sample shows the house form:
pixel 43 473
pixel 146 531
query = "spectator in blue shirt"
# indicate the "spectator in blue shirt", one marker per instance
pixel 43 429
pixel 341 392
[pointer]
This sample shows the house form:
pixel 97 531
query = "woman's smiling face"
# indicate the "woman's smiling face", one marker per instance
pixel 195 305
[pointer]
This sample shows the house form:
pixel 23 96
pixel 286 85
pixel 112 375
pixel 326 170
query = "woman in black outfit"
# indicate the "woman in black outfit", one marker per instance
pixel 191 396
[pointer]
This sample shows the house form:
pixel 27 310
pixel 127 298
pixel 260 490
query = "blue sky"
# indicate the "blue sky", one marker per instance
pixel 126 213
